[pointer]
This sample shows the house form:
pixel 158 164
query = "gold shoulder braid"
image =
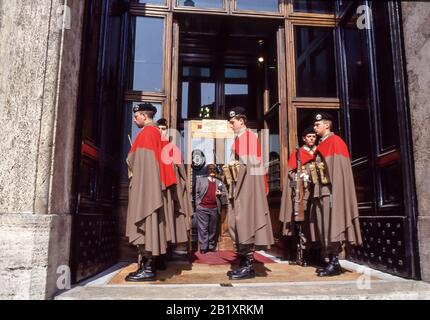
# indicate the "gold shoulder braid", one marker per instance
pixel 231 172
pixel 130 172
pixel 322 170
pixel 234 169
pixel 319 172
pixel 227 175
pixel 313 173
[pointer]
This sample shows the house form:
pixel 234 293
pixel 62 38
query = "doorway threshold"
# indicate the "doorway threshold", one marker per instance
pixel 282 281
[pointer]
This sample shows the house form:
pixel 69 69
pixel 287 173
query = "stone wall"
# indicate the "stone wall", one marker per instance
pixel 416 22
pixel 33 247
pixel 39 75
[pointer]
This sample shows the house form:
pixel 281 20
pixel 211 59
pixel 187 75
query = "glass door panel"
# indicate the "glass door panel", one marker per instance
pixel 147 63
pixel 206 4
pixel 258 5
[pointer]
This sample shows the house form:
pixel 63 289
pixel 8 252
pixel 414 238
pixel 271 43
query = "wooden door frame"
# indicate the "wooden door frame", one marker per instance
pixel 295 103
pixel 164 97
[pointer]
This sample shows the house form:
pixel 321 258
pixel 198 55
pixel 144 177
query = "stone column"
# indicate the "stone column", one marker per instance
pixel 416 22
pixel 39 77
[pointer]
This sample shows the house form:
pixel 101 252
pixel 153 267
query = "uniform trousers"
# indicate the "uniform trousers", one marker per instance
pixel 320 217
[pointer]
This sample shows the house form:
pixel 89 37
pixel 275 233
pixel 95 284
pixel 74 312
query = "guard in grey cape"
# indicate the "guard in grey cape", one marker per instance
pixel 334 215
pixel 248 214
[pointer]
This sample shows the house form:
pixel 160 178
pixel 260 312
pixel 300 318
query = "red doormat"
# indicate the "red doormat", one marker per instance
pixel 225 257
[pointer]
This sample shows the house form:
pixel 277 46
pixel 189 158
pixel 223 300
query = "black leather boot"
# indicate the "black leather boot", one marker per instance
pixel 140 262
pixel 245 272
pixel 147 273
pixel 246 268
pixel 139 269
pixel 333 268
pixel 242 251
pixel 242 260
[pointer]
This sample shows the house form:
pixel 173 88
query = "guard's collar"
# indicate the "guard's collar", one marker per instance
pixel 151 124
pixel 326 136
pixel 241 132
pixel 310 150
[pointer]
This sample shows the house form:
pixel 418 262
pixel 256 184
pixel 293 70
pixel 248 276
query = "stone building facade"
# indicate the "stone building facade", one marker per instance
pixel 417 47
pixel 39 83
pixel 40 75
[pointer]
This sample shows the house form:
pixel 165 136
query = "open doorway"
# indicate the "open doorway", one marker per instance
pixel 224 62
pixel 211 63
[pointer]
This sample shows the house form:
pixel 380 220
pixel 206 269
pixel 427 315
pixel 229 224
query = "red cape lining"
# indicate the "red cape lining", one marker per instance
pixel 149 138
pixel 333 145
